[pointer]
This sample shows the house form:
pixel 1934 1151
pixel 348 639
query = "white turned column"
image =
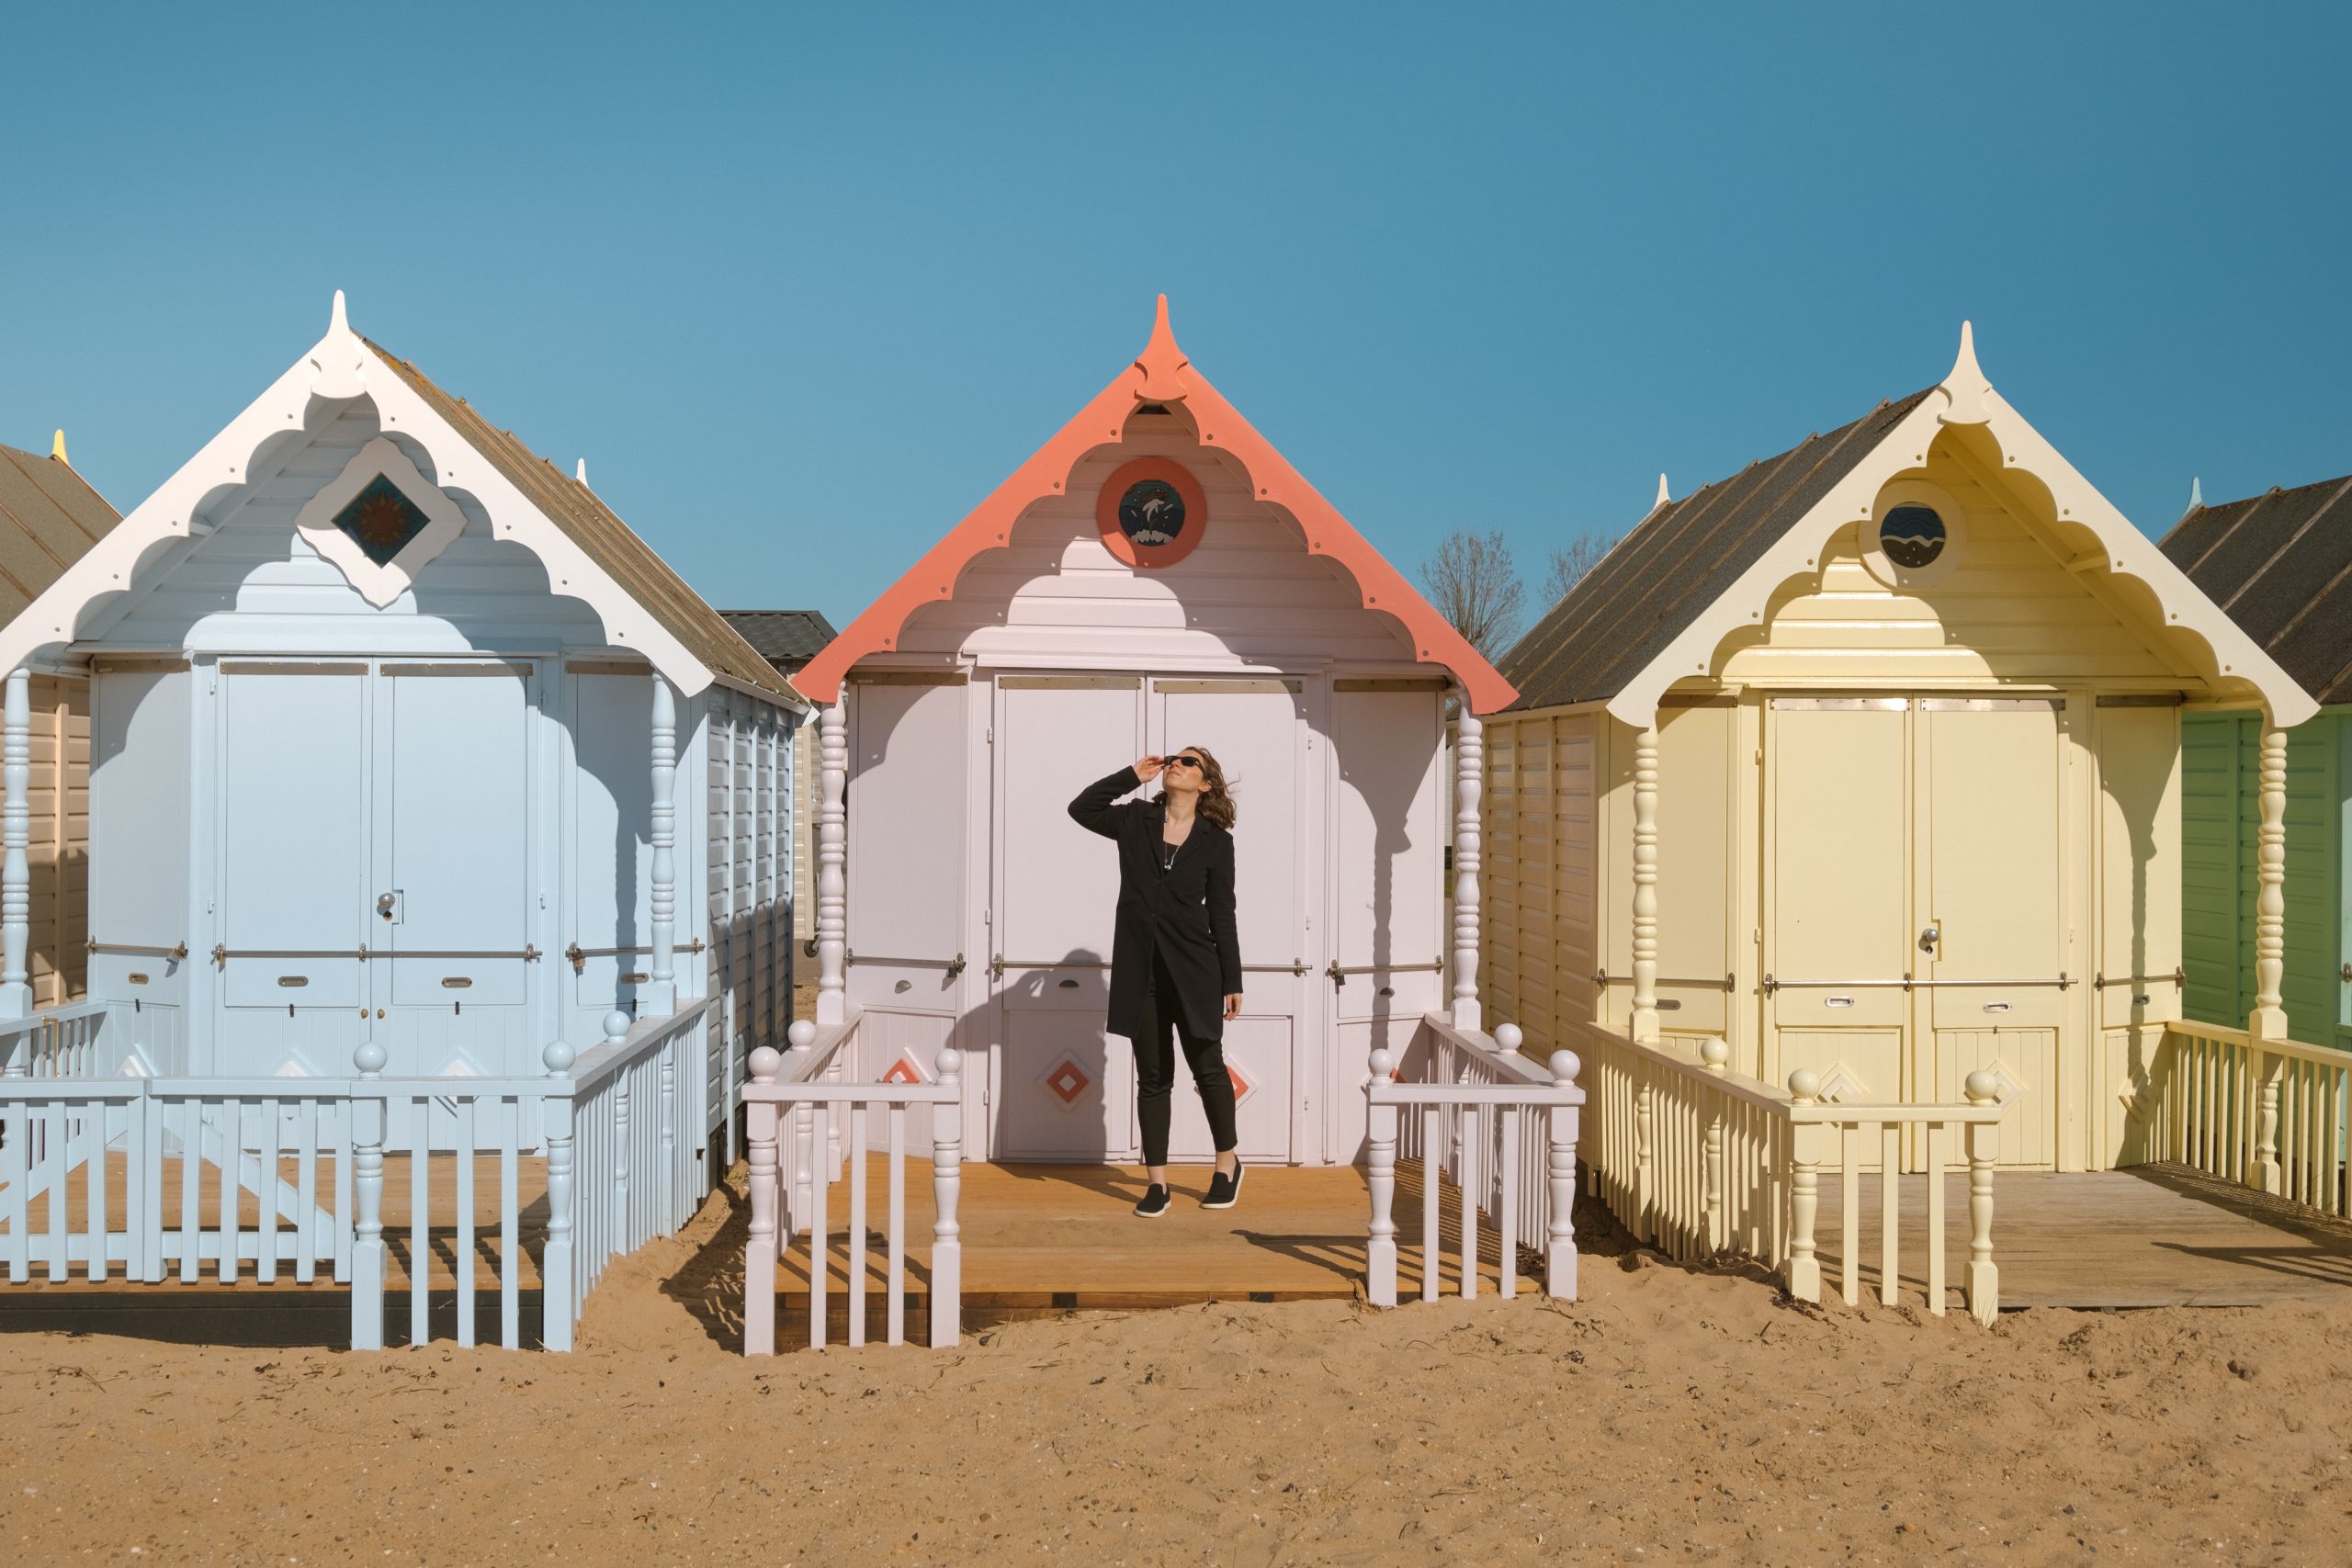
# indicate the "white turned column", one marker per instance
pixel 1469 788
pixel 661 994
pixel 559 1309
pixel 1644 1160
pixel 1644 1022
pixel 1560 1174
pixel 801 1040
pixel 2269 1019
pixel 1804 1189
pixel 760 1250
pixel 16 872
pixel 1983 1141
pixel 367 1192
pixel 617 1242
pixel 1380 1175
pixel 947 1183
pixel 833 842
pixel 1715 1056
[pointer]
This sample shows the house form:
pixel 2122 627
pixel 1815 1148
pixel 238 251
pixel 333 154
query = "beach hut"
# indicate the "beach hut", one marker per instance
pixel 2280 563
pixel 1156 575
pixel 790 640
pixel 402 736
pixel 50 516
pixel 1865 762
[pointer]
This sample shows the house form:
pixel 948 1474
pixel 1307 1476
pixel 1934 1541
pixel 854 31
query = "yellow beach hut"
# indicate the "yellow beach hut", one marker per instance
pixel 1865 762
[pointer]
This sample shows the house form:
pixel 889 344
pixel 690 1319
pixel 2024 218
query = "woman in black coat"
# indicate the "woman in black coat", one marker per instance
pixel 1176 961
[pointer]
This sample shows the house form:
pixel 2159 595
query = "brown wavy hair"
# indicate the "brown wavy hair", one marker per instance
pixel 1216 806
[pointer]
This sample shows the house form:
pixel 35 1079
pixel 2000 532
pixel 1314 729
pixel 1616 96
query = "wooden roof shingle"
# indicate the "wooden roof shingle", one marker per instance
pixel 49 518
pixel 2280 565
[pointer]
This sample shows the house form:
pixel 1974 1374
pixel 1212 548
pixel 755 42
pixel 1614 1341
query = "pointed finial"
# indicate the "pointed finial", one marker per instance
pixel 335 322
pixel 1159 361
pixel 1965 387
pixel 2196 485
pixel 579 474
pixel 340 364
pixel 57 449
pixel 1663 498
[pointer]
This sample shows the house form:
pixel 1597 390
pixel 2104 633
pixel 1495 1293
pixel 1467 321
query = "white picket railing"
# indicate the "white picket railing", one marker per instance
pixel 621 1127
pixel 1472 1127
pixel 60 1043
pixel 1700 1161
pixel 833 1125
pixel 2269 1114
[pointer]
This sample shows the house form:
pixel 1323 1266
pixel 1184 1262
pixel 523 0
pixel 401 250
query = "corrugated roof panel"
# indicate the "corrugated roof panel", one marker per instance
pixel 785 638
pixel 49 519
pixel 2280 563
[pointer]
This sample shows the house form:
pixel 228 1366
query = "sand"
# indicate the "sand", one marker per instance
pixel 1669 1416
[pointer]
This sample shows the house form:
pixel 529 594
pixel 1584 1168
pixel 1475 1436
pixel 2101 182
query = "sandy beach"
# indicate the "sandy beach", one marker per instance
pixel 1669 1415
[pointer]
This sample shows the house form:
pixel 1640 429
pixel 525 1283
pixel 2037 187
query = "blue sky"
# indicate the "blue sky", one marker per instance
pixel 803 284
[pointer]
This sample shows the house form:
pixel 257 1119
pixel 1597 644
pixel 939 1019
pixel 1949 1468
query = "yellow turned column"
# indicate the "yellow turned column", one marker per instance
pixel 2268 1020
pixel 1644 1024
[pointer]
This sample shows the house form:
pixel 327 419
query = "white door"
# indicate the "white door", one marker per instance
pixel 1255 729
pixel 612 823
pixel 453 917
pixel 295 811
pixel 1061 1086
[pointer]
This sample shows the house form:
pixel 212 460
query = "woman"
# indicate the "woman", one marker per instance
pixel 1176 962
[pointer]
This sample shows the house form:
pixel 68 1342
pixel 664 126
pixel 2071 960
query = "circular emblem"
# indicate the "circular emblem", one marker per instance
pixel 1151 512
pixel 1912 535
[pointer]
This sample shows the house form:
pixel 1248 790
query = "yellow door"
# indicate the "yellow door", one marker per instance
pixel 1838 899
pixel 1992 943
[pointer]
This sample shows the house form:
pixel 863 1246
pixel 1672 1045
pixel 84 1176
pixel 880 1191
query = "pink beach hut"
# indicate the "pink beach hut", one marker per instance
pixel 1155 576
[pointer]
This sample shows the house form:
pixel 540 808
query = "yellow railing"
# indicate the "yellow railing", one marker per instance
pixel 2268 1113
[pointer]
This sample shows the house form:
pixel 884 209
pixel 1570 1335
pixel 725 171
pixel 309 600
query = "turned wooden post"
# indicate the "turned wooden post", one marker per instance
pixel 1715 1056
pixel 1380 1175
pixel 367 1113
pixel 1644 1025
pixel 1469 788
pixel 661 993
pixel 760 1250
pixel 558 1269
pixel 833 841
pixel 1805 1188
pixel 619 1242
pixel 1645 1166
pixel 1560 1232
pixel 1984 1143
pixel 2267 1022
pixel 946 1182
pixel 16 821
pixel 802 1037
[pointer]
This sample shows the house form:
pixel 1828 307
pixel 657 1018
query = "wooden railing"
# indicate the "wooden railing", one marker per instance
pixel 59 1043
pixel 1702 1161
pixel 203 1165
pixel 834 1118
pixel 1471 1126
pixel 2271 1114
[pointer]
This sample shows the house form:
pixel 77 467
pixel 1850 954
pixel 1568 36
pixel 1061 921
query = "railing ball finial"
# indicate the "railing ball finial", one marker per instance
pixel 803 1034
pixel 1716 1055
pixel 1805 1085
pixel 951 1064
pixel 617 1025
pixel 766 1061
pixel 1509 1036
pixel 1982 1087
pixel 1381 1064
pixel 369 1058
pixel 1565 1067
pixel 559 1058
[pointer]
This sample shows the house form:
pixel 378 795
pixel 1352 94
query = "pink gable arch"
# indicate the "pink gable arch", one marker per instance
pixel 1161 374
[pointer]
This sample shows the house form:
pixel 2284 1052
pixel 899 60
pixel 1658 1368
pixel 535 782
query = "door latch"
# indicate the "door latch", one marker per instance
pixel 1929 937
pixel 386 903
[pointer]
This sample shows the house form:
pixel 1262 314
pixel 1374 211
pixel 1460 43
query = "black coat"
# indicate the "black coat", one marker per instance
pixel 1186 915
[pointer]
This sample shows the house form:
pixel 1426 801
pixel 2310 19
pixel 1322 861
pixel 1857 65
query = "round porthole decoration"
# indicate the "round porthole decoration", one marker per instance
pixel 1151 512
pixel 1915 535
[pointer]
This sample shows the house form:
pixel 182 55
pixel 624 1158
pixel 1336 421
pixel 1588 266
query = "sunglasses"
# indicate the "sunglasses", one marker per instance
pixel 1192 763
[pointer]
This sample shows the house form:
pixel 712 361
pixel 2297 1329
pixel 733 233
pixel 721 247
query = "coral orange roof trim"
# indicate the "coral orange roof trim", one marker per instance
pixel 1161 374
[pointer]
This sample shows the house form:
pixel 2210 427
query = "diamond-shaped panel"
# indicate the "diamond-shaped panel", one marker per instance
pixel 1840 1085
pixel 1242 1088
pixel 2005 1081
pixel 1067 1082
pixel 904 1070
pixel 381 520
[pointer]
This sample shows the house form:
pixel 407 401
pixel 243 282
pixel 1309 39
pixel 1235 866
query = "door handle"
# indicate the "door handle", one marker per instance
pixel 384 905
pixel 1928 937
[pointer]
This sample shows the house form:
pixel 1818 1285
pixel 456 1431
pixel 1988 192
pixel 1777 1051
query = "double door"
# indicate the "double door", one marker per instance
pixel 373 866
pixel 1917 888
pixel 1060 1087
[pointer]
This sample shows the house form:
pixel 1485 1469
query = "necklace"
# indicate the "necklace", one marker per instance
pixel 1167 853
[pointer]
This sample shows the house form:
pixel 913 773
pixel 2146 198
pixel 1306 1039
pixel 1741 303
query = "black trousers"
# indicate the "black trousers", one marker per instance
pixel 1163 1025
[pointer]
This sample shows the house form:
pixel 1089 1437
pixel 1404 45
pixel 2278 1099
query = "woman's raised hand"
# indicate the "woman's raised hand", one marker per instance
pixel 1147 768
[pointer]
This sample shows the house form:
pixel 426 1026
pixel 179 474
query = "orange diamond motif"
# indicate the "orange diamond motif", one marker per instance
pixel 1242 1086
pixel 904 1070
pixel 1068 1081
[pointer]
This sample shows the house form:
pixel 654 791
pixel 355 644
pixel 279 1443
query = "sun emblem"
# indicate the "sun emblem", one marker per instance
pixel 381 520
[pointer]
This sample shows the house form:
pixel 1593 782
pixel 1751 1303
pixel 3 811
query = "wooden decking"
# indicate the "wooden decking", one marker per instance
pixel 2152 1236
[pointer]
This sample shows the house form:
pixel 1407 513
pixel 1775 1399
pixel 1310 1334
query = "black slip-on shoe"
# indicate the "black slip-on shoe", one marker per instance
pixel 1154 1204
pixel 1224 1190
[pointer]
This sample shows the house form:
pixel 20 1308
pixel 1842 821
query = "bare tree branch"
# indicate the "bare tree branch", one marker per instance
pixel 1571 562
pixel 1472 584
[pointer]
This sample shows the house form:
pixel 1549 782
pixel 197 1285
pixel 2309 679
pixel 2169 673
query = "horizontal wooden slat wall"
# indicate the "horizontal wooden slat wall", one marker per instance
pixel 58 842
